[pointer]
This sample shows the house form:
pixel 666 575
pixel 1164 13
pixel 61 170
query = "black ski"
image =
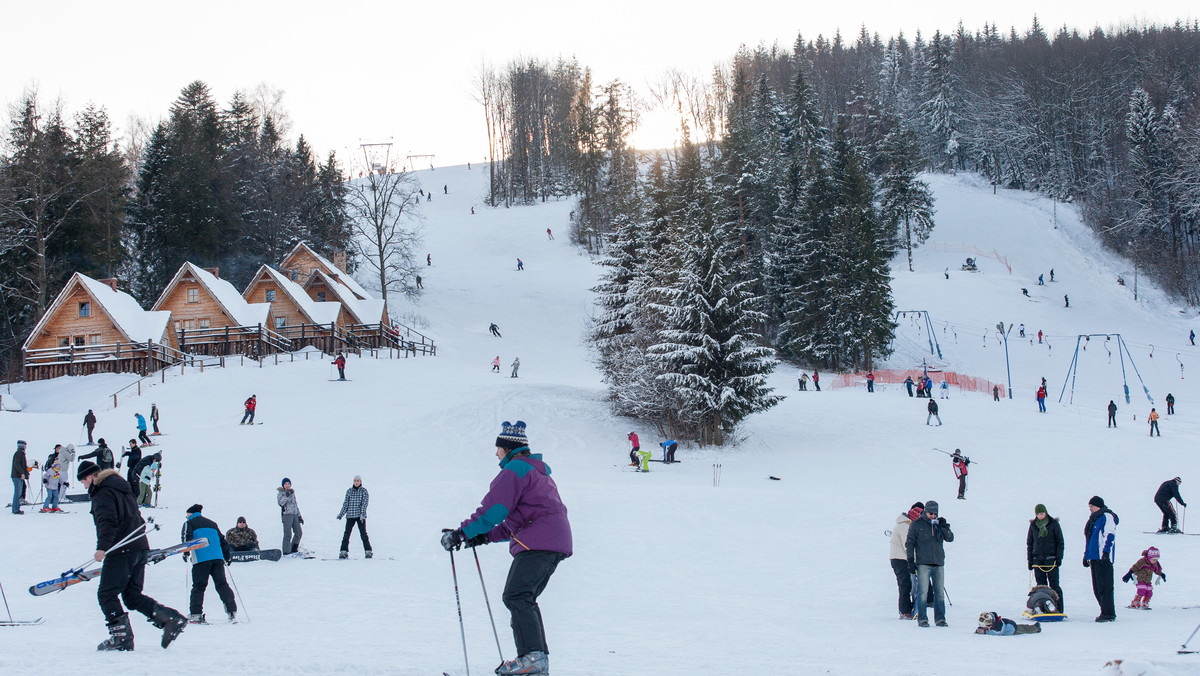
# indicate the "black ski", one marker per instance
pixel 22 623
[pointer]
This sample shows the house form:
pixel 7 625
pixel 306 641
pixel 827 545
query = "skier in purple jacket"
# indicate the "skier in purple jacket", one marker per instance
pixel 522 506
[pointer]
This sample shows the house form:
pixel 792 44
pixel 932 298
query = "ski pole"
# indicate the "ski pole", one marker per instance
pixel 947 595
pixel 1185 643
pixel 475 550
pixel 136 532
pixel 462 632
pixel 10 617
pixel 241 601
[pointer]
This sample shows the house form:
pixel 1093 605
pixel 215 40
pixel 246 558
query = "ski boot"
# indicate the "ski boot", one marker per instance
pixel 369 554
pixel 343 554
pixel 536 662
pixel 196 618
pixel 231 613
pixel 1136 602
pixel 120 636
pixel 170 621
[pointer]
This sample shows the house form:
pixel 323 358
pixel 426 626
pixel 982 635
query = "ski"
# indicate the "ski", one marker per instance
pixel 256 555
pixel 158 555
pixel 1156 532
pixel 63 581
pixel 22 623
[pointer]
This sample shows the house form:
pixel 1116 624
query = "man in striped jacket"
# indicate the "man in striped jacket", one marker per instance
pixel 354 508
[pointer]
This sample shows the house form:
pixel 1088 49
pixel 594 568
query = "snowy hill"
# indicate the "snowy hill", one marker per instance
pixel 671 575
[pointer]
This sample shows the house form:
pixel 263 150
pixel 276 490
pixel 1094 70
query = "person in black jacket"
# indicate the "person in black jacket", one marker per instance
pixel 927 558
pixel 89 421
pixel 1112 413
pixel 123 569
pixel 210 562
pixel 20 474
pixel 1168 490
pixel 1044 550
pixel 933 412
pixel 103 455
pixel 135 456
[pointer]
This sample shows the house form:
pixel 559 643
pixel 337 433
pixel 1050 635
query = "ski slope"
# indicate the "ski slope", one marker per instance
pixel 671 575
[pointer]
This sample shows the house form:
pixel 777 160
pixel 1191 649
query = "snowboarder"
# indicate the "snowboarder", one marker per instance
pixel 991 624
pixel 816 378
pixel 520 265
pixel 870 381
pixel 1112 413
pixel 960 462
pixel 495 330
pixel 20 474
pixel 354 508
pixel 135 456
pixel 669 447
pixel 1170 404
pixel 945 388
pixel 1144 569
pixel 103 455
pixel 208 561
pixel 933 412
pixel 549 235
pixel 1025 291
pixel 803 380
pixel 908 384
pixel 89 421
pixel 1066 301
pixel 496 364
pixel 634 447
pixel 1167 491
pixel 242 538
pixel 1153 418
pixel 123 571
pixel 250 404
pixel 340 363
pixel 522 506
pixel 1052 274
pixel 1101 543
pixel 926 557
pixel 515 366
pixel 154 419
pixel 1044 546
pixel 290 513
pixel 1021 331
pixel 995 393
pixel 141 425
pixel 905 581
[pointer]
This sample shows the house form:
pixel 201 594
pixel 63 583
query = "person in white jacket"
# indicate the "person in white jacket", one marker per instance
pixel 906 582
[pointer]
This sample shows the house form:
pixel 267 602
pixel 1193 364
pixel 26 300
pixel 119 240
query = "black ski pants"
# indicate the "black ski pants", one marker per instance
pixel 122 576
pixel 904 585
pixel 527 578
pixel 1112 419
pixel 670 454
pixel 1170 520
pixel 1102 587
pixel 1050 578
pixel 201 572
pixel 962 486
pixel 362 533
pixel 144 438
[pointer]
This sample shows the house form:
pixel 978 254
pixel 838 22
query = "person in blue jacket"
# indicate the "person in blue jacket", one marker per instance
pixel 669 447
pixel 992 624
pixel 208 561
pixel 1098 554
pixel 142 436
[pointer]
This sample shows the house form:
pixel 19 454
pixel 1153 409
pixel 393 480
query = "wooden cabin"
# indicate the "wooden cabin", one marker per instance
pixel 366 318
pixel 91 327
pixel 296 316
pixel 210 317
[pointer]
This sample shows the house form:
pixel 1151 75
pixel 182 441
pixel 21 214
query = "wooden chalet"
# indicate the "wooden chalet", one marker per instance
pixel 91 327
pixel 211 318
pixel 296 316
pixel 366 318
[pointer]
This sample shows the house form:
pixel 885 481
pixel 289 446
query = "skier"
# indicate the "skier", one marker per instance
pixel 908 383
pixel 870 381
pixel 549 235
pixel 905 581
pixel 992 624
pixel 945 388
pixel 419 284
pixel 209 562
pixel 1041 399
pixel 669 447
pixel 1170 404
pixel 141 425
pixel 154 419
pixel 1052 274
pixel 995 393
pixel 1167 491
pixel 634 447
pixel 522 506
pixel 803 380
pixel 1101 545
pixel 1153 418
pixel 340 363
pixel 1066 301
pixel 495 330
pixel 1021 330
pixel 496 364
pixel 250 404
pixel 927 558
pixel 135 456
pixel 242 538
pixel 520 265
pixel 145 470
pixel 816 381
pixel 960 463
pixel 1144 569
pixel 290 512
pixel 1044 547
pixel 1039 336
pixel 515 366
pixel 354 508
pixel 445 190
pixel 1112 413
pixel 89 421
pixel 933 412
pixel 1041 280
pixel 103 455
pixel 428 259
pixel 20 474
pixel 123 569
pixel 1192 336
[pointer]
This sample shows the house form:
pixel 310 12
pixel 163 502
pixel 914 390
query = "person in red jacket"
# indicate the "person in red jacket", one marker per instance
pixel 817 381
pixel 251 404
pixel 340 363
pixel 960 471
pixel 1041 397
pixel 870 381
pixel 635 446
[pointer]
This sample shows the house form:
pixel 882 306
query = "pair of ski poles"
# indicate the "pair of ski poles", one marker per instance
pixel 462 631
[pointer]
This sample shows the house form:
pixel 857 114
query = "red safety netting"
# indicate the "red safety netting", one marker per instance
pixel 960 381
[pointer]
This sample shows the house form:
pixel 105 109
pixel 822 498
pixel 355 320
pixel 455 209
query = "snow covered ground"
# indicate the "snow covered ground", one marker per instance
pixel 670 575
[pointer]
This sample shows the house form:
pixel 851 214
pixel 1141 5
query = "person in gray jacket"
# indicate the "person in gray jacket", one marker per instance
pixel 291 517
pixel 927 558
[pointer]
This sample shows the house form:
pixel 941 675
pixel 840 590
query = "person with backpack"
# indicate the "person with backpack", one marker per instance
pixel 1170 404
pixel 103 455
pixel 1044 546
pixel 251 404
pixel 354 508
pixel 208 562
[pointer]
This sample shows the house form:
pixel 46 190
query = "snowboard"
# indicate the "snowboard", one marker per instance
pixel 75 497
pixel 257 555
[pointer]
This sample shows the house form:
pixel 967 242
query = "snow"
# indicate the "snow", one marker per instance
pixel 671 575
pixel 138 324
pixel 245 314
pixel 347 280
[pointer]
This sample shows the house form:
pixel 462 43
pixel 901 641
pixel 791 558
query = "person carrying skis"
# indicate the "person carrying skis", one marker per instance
pixel 52 480
pixel 1170 404
pixel 932 407
pixel 1044 545
pixel 1112 413
pixel 495 330
pixel 135 456
pixel 123 569
pixel 960 463
pixel 496 364
pixel 242 538
pixel 523 507
pixel 340 363
pixel 905 581
pixel 870 381
pixel 1153 419
pixel 103 455
pixel 154 419
pixel 1169 490
pixel 251 404
pixel 354 508
pixel 1101 544
pixel 290 513
pixel 669 447
pixel 1041 399
pixel 20 474
pixel 926 557
pixel 1144 569
pixel 209 561
pixel 89 421
pixel 515 366
pixel 141 425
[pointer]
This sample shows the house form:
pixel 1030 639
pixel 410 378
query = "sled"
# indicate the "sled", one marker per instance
pixel 1044 617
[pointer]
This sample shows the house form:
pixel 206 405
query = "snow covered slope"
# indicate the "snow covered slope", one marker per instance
pixel 671 575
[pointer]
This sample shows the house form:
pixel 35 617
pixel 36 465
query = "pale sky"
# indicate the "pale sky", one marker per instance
pixel 357 70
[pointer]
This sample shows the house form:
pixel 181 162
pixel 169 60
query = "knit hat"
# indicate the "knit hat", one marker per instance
pixel 241 519
pixel 931 507
pixel 195 509
pixel 1151 553
pixel 512 435
pixel 1039 509
pixel 1178 480
pixel 20 445
pixel 1097 501
pixel 86 469
pixel 358 477
pixel 285 481
pixel 918 505
pixel 987 620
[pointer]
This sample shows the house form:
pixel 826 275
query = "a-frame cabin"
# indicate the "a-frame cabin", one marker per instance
pixel 296 316
pixel 211 318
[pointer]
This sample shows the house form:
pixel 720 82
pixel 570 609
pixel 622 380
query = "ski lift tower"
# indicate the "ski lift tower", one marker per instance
pixel 410 157
pixel 377 154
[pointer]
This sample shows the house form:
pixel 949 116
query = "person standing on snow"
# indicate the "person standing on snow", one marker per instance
pixel 960 463
pixel 135 456
pixel 251 404
pixel 340 363
pixel 1044 545
pixel 523 507
pixel 154 419
pixel 1039 336
pixel 927 559
pixel 141 425
pixel 870 381
pixel 1192 336
pixel 208 561
pixel 669 446
pixel 905 581
pixel 803 380
pixel 1101 545
pixel 908 383
pixel 1041 399
pixel 52 479
pixel 89 421
pixel 945 387
pixel 520 265
pixel 995 393
pixel 354 508
pixel 515 366
pixel 933 412
pixel 103 455
pixel 1170 404
pixel 1021 331
pixel 20 474
pixel 1169 490
pixel 816 378
pixel 549 235
pixel 123 569
pixel 290 513
pixel 1144 569
pixel 634 447
pixel 496 364
pixel 1153 418
pixel 1112 413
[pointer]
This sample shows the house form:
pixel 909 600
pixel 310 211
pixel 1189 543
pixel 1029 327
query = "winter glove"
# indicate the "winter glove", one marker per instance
pixel 1127 578
pixel 1163 576
pixel 301 519
pixel 480 539
pixel 912 568
pixel 942 522
pixel 339 517
pixel 1031 566
pixel 186 556
pixel 452 539
pixel 1086 563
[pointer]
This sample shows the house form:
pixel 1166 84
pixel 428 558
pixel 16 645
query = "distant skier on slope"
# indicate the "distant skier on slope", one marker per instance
pixel 250 404
pixel 207 562
pixel 340 363
pixel 516 365
pixel 495 330
pixel 141 425
pixel 960 463
pixel 1167 491
pixel 933 412
pixel 496 364
pixel 1112 413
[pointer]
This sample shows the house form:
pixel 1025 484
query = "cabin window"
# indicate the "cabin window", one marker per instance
pixel 202 323
pixel 280 322
pixel 94 339
pixel 320 296
pixel 189 324
pixel 177 327
pixel 79 341
pixel 270 295
pixel 193 295
pixel 294 274
pixel 64 341
pixel 85 309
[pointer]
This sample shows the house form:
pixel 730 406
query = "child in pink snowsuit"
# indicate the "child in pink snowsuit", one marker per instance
pixel 1144 570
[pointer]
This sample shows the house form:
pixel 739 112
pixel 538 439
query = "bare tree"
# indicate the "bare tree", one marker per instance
pixel 383 209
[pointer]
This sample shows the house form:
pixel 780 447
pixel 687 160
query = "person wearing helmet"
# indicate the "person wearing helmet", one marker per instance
pixel 992 624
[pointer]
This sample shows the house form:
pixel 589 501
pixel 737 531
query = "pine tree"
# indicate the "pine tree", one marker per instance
pixel 905 200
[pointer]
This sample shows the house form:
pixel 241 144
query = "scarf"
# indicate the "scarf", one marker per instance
pixel 1042 525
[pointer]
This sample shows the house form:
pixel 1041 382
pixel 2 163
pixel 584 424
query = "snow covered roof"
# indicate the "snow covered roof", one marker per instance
pixel 136 324
pixel 241 312
pixel 317 312
pixel 333 270
pixel 364 311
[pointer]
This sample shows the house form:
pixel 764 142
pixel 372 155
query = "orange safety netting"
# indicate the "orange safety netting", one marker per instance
pixel 961 381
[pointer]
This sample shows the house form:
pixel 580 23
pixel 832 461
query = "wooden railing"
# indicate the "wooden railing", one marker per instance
pixel 254 341
pixel 399 337
pixel 81 360
pixel 328 338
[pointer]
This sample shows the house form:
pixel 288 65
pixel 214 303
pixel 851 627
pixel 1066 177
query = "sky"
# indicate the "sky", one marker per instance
pixel 369 71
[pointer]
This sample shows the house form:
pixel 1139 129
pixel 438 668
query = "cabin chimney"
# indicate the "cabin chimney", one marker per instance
pixel 339 260
pixel 112 283
pixel 214 271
